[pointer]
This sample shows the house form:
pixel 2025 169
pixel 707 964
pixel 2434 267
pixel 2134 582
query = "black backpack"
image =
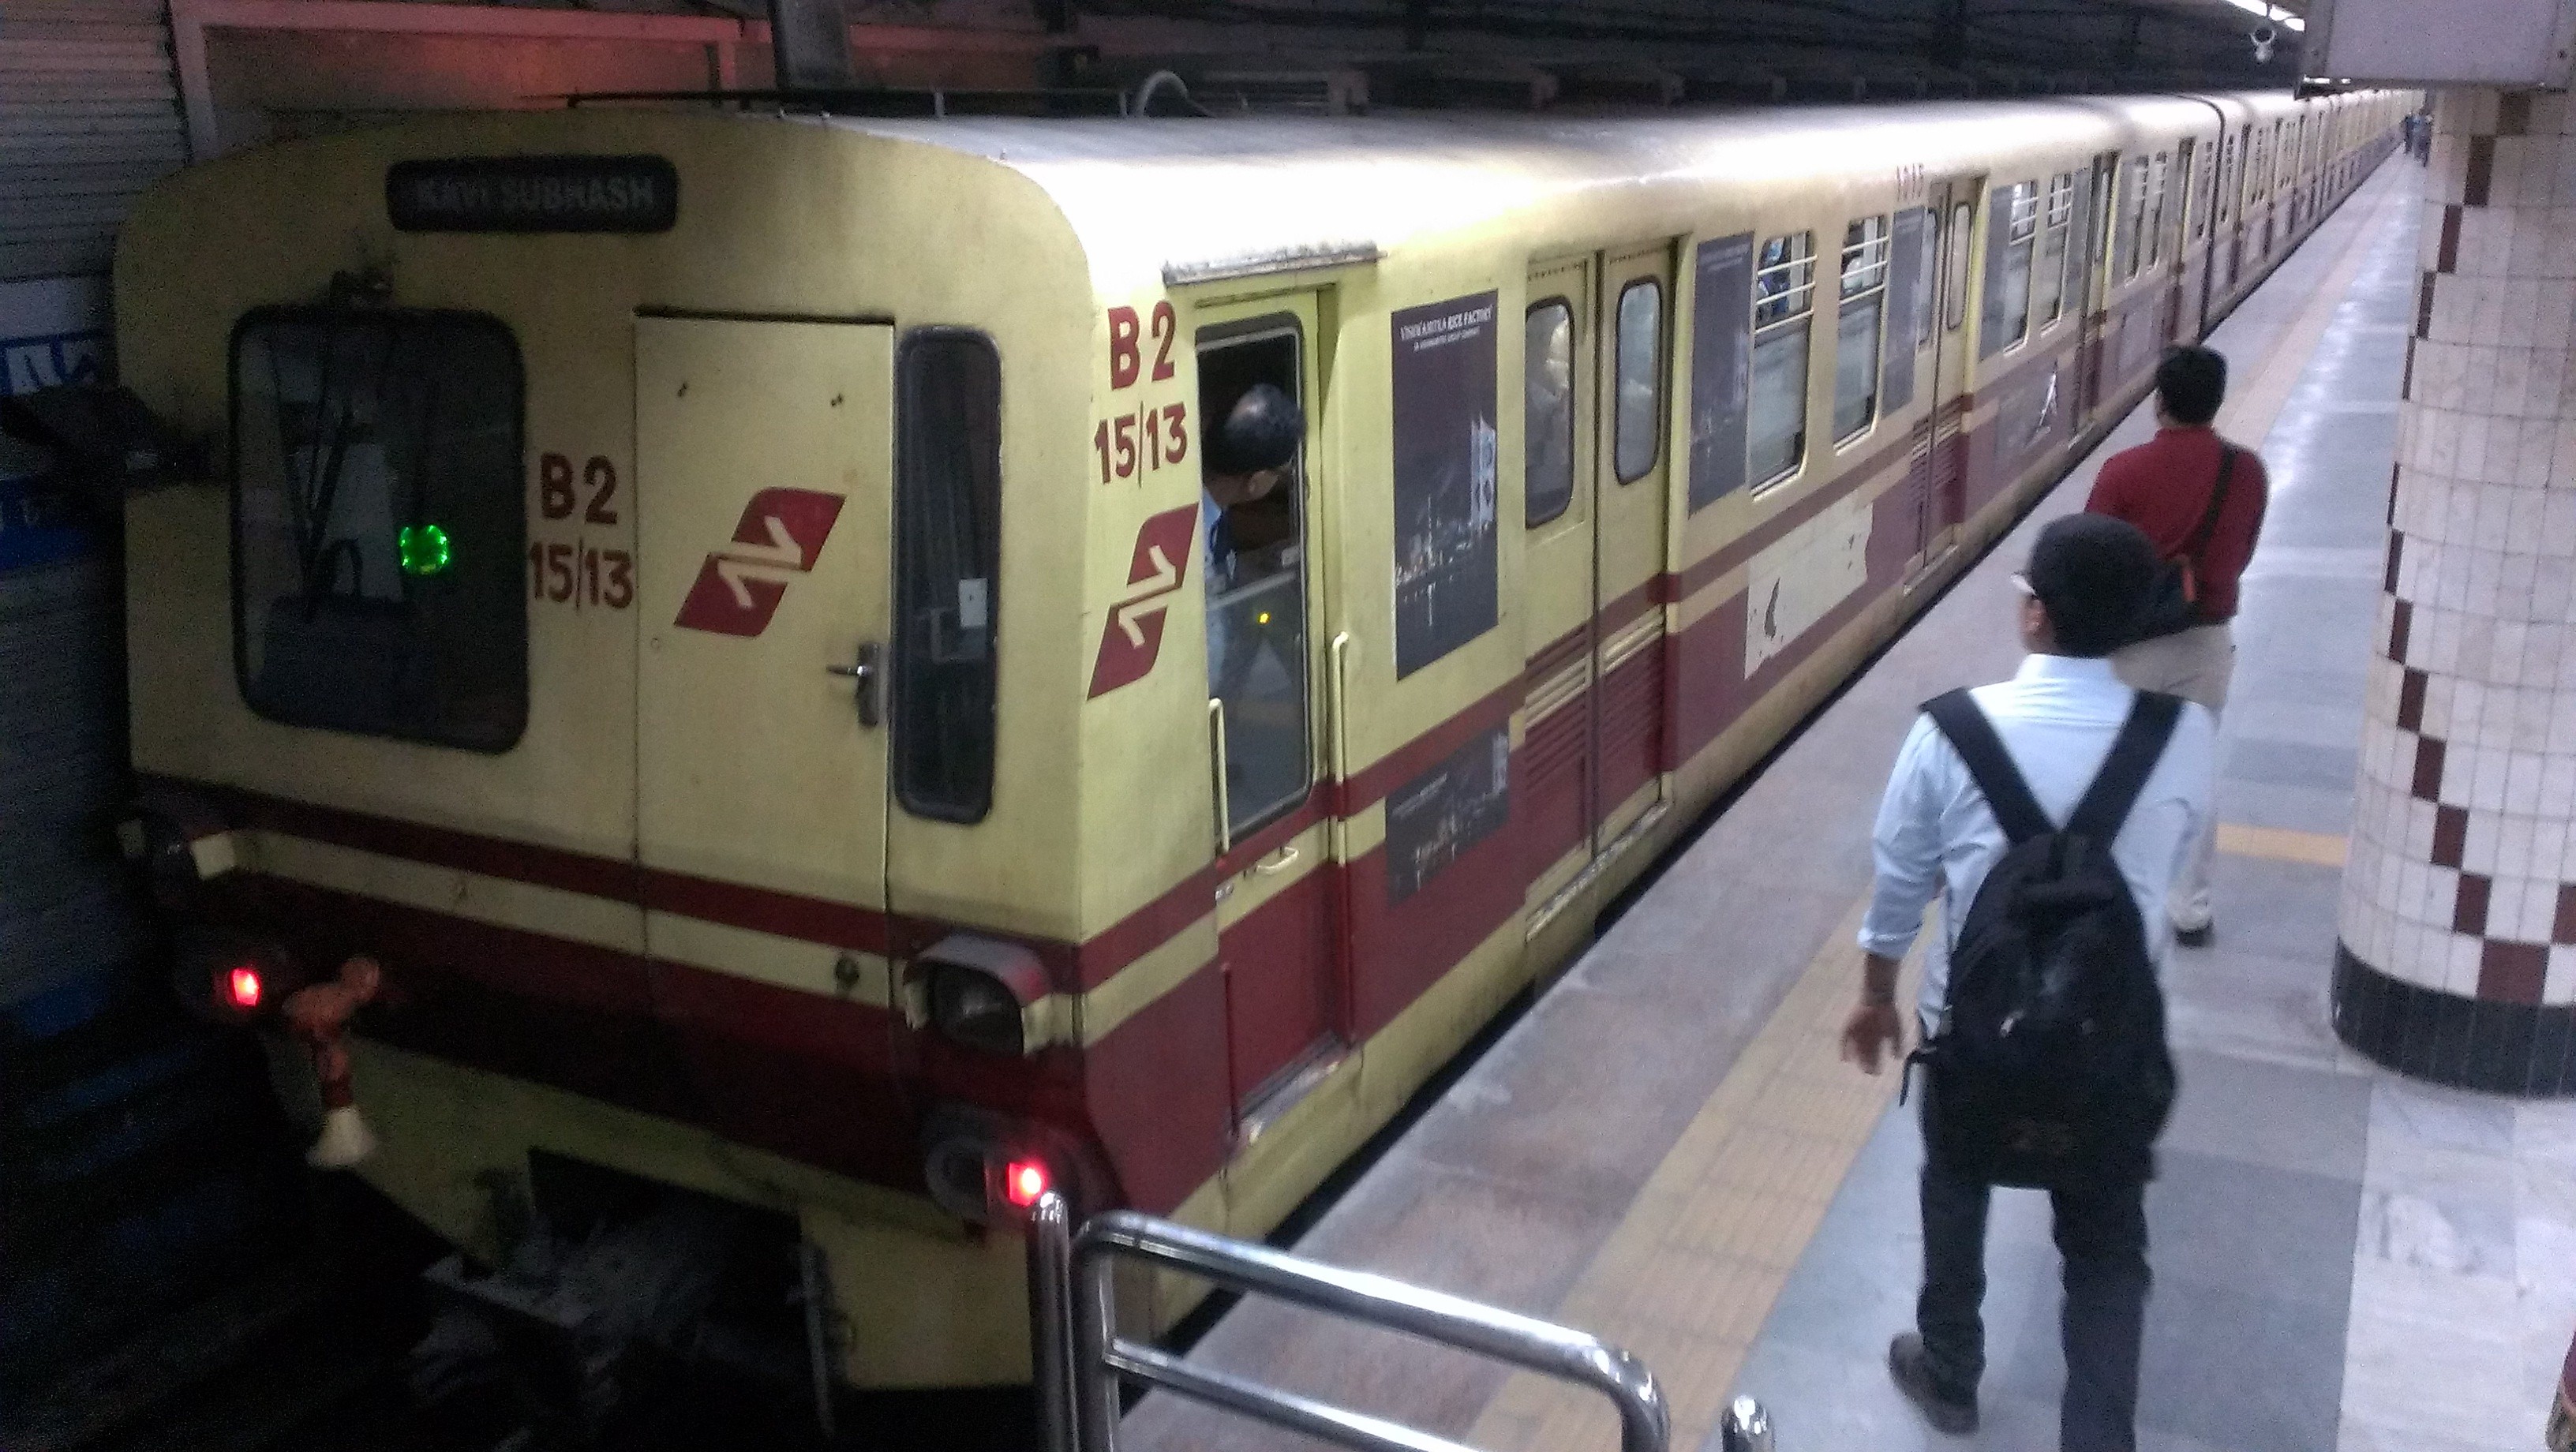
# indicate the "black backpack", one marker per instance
pixel 2051 1066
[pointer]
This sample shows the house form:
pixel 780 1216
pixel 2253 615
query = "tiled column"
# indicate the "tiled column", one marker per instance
pixel 2457 959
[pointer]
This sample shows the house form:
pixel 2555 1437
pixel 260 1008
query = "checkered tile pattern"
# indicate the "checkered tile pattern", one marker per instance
pixel 2462 877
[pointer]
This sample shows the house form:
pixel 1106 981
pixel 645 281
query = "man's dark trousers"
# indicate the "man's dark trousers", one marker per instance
pixel 2102 1233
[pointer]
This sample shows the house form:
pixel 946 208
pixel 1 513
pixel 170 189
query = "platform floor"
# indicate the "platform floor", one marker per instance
pixel 1666 1150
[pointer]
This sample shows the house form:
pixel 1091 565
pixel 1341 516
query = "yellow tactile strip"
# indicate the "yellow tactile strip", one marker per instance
pixel 2320 849
pixel 1689 1276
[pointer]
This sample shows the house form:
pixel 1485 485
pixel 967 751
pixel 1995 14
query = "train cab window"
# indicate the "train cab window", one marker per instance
pixel 947 566
pixel 1253 526
pixel 1859 324
pixel 1547 417
pixel 1641 378
pixel 1784 298
pixel 2007 319
pixel 379 524
pixel 2048 275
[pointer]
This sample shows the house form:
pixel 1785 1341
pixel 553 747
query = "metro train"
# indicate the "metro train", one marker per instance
pixel 718 606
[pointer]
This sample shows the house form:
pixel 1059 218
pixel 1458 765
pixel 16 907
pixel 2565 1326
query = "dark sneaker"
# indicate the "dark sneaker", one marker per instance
pixel 2193 937
pixel 1911 1366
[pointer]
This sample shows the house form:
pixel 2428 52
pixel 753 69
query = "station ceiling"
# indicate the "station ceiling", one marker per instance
pixel 1790 49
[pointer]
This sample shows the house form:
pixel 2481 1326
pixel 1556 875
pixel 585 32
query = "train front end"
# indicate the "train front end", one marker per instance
pixel 566 705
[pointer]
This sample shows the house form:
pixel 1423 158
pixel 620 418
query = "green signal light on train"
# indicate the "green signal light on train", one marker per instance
pixel 423 548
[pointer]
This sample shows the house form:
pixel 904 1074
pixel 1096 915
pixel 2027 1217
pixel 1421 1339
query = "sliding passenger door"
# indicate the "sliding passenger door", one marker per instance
pixel 1631 470
pixel 2093 289
pixel 1558 802
pixel 1595 437
pixel 1937 471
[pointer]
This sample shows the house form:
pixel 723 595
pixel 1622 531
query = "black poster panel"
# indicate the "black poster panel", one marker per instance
pixel 1994 329
pixel 1447 570
pixel 1721 366
pixel 1434 818
pixel 1907 297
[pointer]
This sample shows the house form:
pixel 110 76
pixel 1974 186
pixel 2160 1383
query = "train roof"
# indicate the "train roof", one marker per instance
pixel 1182 195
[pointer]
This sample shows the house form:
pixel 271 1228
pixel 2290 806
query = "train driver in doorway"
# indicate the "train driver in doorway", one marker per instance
pixel 1250 526
pixel 2200 500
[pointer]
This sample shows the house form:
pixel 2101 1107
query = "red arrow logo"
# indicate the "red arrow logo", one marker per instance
pixel 1132 638
pixel 780 537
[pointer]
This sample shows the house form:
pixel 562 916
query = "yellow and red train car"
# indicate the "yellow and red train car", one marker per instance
pixel 720 606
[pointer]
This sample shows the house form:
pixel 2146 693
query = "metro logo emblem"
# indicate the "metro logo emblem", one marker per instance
pixel 1132 637
pixel 780 537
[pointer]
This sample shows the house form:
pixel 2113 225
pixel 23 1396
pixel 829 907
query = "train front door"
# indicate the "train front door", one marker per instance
pixel 1279 910
pixel 760 599
pixel 1592 703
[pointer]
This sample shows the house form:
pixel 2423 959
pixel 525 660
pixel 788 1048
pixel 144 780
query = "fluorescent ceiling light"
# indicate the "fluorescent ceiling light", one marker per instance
pixel 2272 13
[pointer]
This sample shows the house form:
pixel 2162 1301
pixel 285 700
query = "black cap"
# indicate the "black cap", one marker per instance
pixel 2095 575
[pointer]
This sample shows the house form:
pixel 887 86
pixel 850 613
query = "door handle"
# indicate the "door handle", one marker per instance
pixel 863 674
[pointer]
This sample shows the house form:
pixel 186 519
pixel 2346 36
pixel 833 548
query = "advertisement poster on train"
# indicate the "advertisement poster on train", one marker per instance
pixel 1721 367
pixel 1433 819
pixel 1447 560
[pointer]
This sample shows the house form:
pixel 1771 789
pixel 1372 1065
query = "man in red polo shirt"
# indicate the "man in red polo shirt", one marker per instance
pixel 2169 487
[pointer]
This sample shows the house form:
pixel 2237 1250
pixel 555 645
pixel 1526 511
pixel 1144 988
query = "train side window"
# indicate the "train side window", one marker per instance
pixel 1253 528
pixel 1641 379
pixel 1954 283
pixel 2048 275
pixel 948 543
pixel 1784 298
pixel 2007 318
pixel 381 565
pixel 1547 417
pixel 1859 324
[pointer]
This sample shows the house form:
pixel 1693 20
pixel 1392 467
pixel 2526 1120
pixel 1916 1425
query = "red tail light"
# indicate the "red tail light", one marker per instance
pixel 1026 1181
pixel 244 988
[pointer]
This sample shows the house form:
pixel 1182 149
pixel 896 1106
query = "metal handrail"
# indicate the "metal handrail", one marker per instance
pixel 1080 1358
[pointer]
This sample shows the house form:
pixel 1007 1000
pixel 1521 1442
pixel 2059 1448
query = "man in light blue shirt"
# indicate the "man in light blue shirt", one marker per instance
pixel 2087 583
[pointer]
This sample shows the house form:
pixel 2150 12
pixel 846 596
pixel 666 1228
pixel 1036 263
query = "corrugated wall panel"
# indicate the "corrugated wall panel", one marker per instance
pixel 89 115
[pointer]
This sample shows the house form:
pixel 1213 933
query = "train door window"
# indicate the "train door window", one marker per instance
pixel 1859 324
pixel 947 566
pixel 1547 415
pixel 1927 264
pixel 1253 519
pixel 2159 183
pixel 1784 299
pixel 2048 276
pixel 2007 317
pixel 2133 218
pixel 1640 379
pixel 1954 279
pixel 379 525
pixel 2204 184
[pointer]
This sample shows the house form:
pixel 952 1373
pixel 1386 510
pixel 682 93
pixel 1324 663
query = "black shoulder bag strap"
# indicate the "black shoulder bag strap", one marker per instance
pixel 2208 525
pixel 2134 754
pixel 2016 811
